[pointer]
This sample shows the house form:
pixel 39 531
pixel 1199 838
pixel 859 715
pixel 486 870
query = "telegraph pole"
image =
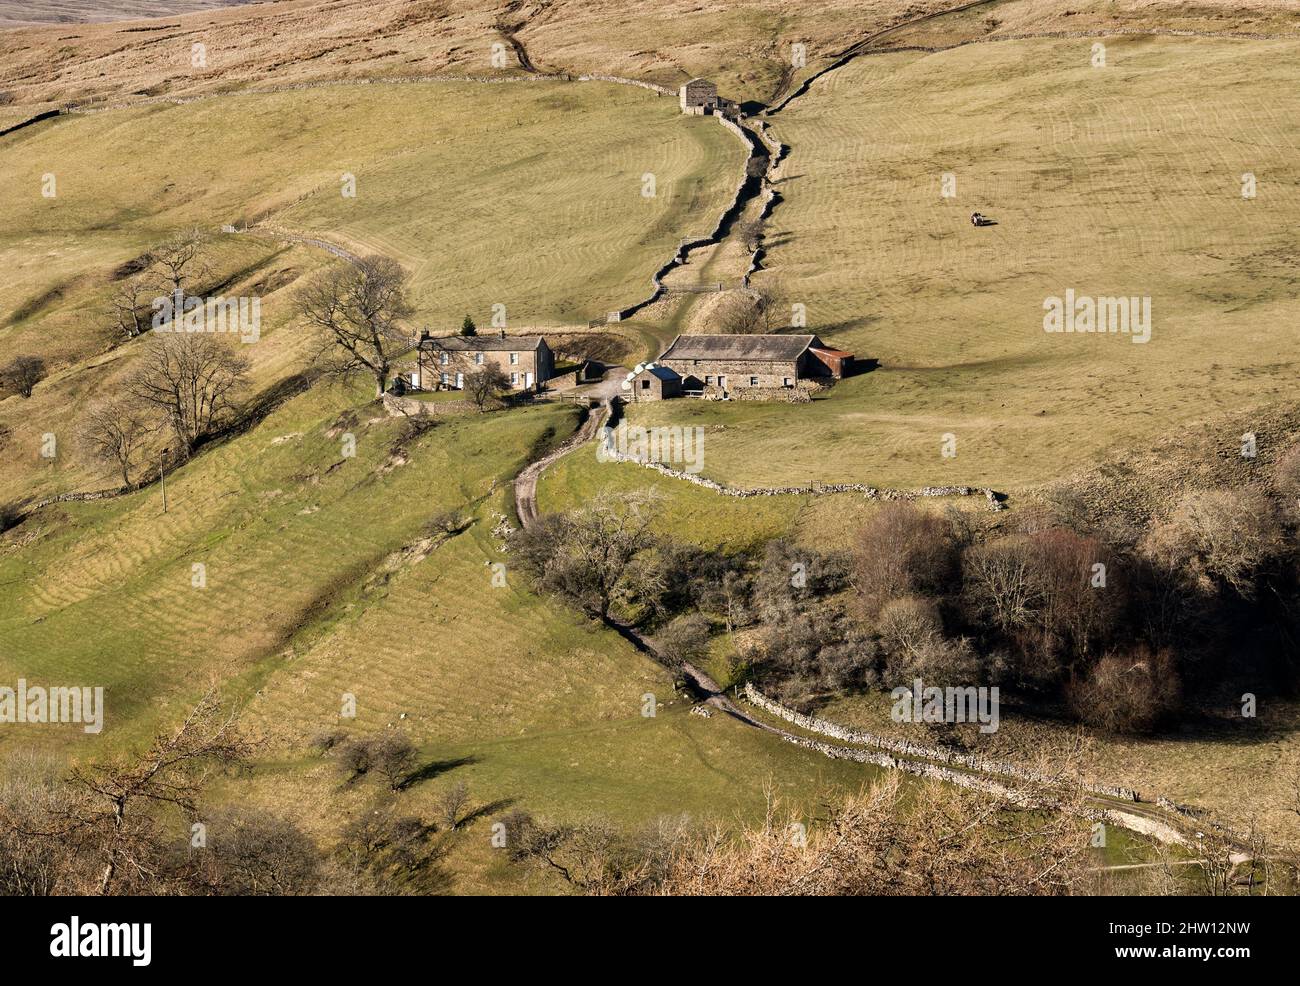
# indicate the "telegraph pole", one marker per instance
pixel 162 468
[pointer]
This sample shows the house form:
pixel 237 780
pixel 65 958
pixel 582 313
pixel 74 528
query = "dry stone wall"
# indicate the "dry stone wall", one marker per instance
pixel 868 492
pixel 967 761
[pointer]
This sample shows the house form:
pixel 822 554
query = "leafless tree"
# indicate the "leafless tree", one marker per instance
pixel 485 383
pixel 22 374
pixel 902 551
pixel 130 305
pixel 109 814
pixel 453 803
pixel 684 640
pixel 357 308
pixel 180 261
pixel 115 431
pixel 944 841
pixel 1128 692
pixel 749 232
pixel 586 555
pixel 1219 537
pixel 252 853
pixel 394 758
pixel 193 380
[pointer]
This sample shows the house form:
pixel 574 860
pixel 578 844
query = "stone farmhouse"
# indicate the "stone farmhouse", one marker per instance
pixel 753 366
pixel 699 97
pixel 444 362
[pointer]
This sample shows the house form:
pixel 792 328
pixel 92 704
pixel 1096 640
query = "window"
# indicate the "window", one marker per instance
pixel 478 359
pixel 787 382
pixel 753 381
pixel 443 359
pixel 514 379
pixel 514 359
pixel 645 384
pixel 446 379
pixel 708 379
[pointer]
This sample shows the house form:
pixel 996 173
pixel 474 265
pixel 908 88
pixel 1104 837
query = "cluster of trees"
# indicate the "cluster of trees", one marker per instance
pixel 1205 599
pixel 139 824
pixel 1119 633
pixel 184 388
pixel 178 265
pixel 934 839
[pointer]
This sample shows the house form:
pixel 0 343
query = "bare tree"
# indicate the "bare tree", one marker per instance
pixel 251 853
pixel 903 550
pixel 940 840
pixel 130 305
pixel 115 431
pixel 1219 537
pixel 394 758
pixel 453 803
pixel 586 555
pixel 1129 692
pixel 684 640
pixel 193 380
pixel 22 374
pixel 358 307
pixel 485 383
pixel 749 232
pixel 180 261
pixel 107 822
pixel 760 307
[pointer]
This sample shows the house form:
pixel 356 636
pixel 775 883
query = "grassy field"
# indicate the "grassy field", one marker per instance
pixel 317 586
pixel 1240 769
pixel 536 206
pixel 450 179
pixel 1122 180
pixel 321 577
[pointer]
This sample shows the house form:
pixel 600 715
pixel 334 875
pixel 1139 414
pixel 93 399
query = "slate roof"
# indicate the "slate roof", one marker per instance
pixel 783 348
pixel 662 372
pixel 483 344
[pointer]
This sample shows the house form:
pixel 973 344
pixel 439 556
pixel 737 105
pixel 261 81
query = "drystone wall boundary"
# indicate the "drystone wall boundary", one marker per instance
pixel 968 761
pixel 868 492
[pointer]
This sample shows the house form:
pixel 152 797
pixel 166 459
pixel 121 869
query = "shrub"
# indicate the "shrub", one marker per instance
pixel 903 551
pixel 1219 538
pixel 684 640
pixel 1128 692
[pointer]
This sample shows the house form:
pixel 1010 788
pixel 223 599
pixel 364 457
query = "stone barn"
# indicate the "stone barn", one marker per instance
pixel 700 97
pixel 752 365
pixel 654 383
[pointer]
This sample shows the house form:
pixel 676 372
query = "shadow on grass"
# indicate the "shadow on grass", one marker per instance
pixel 434 769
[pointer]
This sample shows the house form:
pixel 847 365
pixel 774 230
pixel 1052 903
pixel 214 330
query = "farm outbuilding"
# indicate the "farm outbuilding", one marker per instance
pixel 654 383
pixel 720 365
pixel 700 96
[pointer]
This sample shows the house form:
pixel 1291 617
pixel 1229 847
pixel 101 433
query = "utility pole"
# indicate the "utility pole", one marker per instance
pixel 162 468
